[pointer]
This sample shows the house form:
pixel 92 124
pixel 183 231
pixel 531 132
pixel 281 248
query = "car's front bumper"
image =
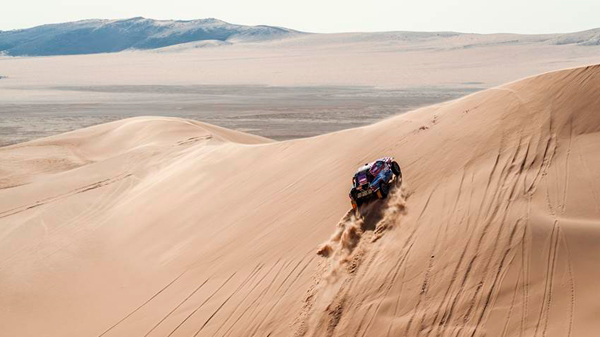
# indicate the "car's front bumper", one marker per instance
pixel 365 193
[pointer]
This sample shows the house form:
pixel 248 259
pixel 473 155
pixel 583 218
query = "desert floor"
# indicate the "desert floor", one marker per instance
pixel 283 89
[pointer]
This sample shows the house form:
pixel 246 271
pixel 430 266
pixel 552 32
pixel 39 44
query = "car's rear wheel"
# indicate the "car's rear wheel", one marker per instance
pixel 396 169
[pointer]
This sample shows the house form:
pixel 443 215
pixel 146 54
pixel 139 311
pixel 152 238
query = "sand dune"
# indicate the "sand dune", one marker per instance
pixel 168 227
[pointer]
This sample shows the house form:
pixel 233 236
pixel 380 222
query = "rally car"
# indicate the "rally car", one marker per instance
pixel 374 179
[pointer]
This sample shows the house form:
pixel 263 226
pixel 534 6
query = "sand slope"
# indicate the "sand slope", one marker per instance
pixel 166 227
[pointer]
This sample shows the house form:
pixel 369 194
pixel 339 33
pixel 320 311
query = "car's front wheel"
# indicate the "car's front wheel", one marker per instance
pixel 356 201
pixel 383 191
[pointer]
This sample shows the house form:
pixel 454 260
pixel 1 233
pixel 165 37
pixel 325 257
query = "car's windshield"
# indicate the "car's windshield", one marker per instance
pixel 376 168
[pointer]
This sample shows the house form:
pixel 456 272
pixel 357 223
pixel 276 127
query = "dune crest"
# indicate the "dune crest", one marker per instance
pixel 167 227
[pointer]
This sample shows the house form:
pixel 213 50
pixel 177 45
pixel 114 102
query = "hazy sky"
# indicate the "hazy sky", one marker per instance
pixel 479 16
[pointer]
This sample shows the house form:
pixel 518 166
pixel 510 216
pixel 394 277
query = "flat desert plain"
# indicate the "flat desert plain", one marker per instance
pixel 281 89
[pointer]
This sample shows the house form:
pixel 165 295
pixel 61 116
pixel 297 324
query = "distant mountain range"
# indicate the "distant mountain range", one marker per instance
pixel 107 36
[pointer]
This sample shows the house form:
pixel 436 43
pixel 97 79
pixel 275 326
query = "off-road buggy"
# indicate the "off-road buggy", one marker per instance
pixel 374 179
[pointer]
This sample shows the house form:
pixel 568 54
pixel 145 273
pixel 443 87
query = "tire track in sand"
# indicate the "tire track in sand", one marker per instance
pixel 374 219
pixel 142 305
pixel 78 190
